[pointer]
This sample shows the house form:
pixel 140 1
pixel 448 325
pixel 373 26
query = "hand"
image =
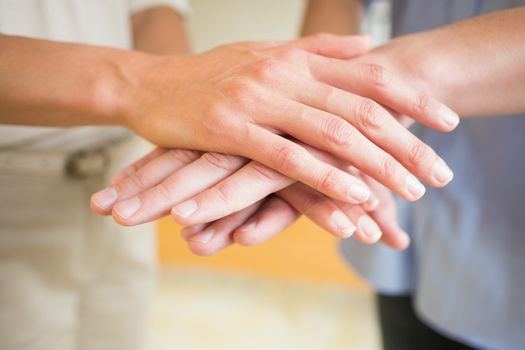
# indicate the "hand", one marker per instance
pixel 263 220
pixel 213 185
pixel 164 178
pixel 246 110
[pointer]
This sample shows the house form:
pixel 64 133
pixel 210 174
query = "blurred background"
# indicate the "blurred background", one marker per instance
pixel 292 292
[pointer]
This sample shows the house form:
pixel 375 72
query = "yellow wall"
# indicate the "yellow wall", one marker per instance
pixel 303 251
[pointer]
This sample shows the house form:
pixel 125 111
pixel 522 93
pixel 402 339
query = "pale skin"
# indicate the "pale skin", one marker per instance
pixel 495 45
pixel 244 99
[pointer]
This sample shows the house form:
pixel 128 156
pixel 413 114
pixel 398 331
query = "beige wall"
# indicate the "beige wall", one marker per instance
pixel 214 22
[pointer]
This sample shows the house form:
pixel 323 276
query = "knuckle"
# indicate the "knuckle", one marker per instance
pixel 291 54
pixel 217 120
pixel 183 155
pixel 265 174
pixel 422 103
pixel 163 191
pixel 419 153
pixel 314 201
pixel 242 91
pixel 289 158
pixel 338 132
pixel 222 161
pixel 368 114
pixel 138 180
pixel 387 168
pixel 266 70
pixel 379 76
pixel 216 112
pixel 222 195
pixel 328 180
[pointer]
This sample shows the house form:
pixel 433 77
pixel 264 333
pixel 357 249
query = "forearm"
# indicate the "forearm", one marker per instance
pixel 332 16
pixel 60 84
pixel 160 30
pixel 477 67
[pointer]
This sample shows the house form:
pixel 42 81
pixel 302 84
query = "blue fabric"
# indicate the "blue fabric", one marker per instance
pixel 466 265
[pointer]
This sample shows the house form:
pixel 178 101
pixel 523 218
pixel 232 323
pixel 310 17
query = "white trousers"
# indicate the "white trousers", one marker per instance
pixel 69 279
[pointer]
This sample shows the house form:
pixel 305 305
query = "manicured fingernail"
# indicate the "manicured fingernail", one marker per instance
pixel 415 188
pixel 369 228
pixel 185 209
pixel 128 207
pixel 342 223
pixel 203 237
pixel 358 192
pixel 105 198
pixel 448 117
pixel 441 172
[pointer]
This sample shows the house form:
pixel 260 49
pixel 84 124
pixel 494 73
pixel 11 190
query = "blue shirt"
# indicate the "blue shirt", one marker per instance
pixel 466 265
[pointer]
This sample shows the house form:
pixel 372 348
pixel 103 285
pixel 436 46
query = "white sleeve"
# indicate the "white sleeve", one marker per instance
pixel 181 6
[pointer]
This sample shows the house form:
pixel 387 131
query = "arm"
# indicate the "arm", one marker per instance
pixel 332 16
pixel 159 30
pixel 58 84
pixel 475 66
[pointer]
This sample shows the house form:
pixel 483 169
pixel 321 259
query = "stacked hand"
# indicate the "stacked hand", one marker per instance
pixel 254 134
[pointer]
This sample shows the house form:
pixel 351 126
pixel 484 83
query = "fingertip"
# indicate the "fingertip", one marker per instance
pixel 244 235
pixel 104 200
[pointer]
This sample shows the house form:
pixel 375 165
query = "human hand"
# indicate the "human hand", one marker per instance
pixel 147 189
pixel 264 220
pixel 234 112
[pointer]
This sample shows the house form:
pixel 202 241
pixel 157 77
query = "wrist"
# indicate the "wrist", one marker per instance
pixel 142 79
pixel 425 58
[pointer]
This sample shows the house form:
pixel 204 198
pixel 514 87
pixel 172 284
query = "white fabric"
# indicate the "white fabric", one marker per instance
pixel 70 280
pixel 97 22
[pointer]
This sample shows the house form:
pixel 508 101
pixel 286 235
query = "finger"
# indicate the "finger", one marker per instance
pixel 272 217
pixel 219 234
pixel 250 184
pixel 373 200
pixel 297 163
pixel 148 172
pixel 380 84
pixel 187 181
pixel 130 169
pixel 367 231
pixel 319 208
pixel 378 126
pixel 385 216
pixel 340 138
pixel 336 46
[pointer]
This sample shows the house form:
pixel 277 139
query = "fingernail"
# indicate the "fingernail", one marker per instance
pixel 248 227
pixel 448 117
pixel 191 230
pixel 368 227
pixel 342 223
pixel 358 192
pixel 415 188
pixel 185 209
pixel 128 207
pixel 105 198
pixel 441 172
pixel 203 237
